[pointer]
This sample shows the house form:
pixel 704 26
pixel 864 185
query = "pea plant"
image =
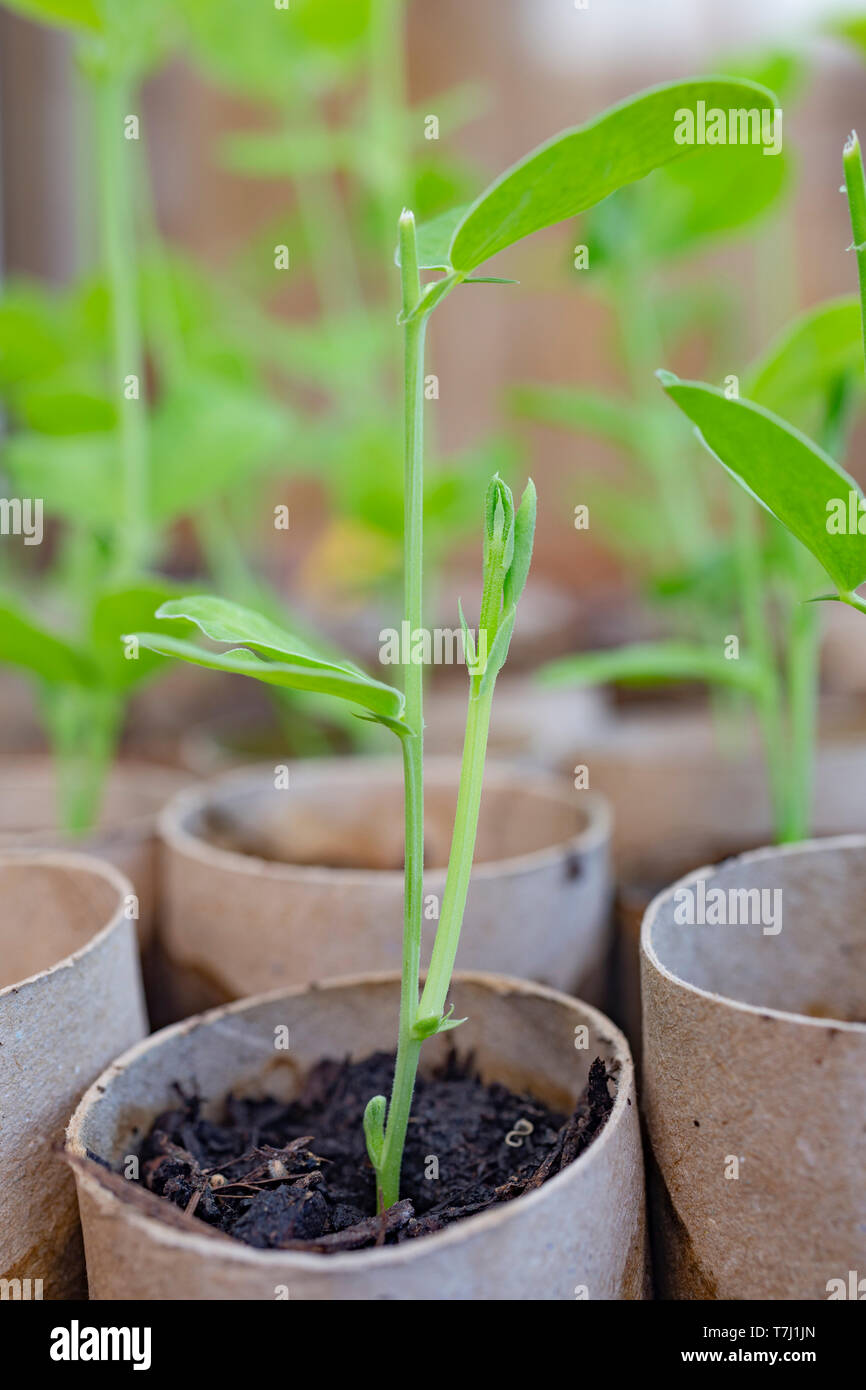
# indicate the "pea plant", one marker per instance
pixel 794 478
pixel 346 183
pixel 81 440
pixel 666 519
pixel 629 244
pixel 570 173
pixel 133 399
pixel 811 375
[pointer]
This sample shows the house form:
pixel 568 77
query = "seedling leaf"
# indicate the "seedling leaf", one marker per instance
pixel 783 470
pixel 26 643
pixel 817 347
pixel 580 167
pixel 224 621
pixel 305 669
pixel 651 662
pixel 374 1129
pixel 381 699
pixel 498 651
pixel 524 537
pixel 120 610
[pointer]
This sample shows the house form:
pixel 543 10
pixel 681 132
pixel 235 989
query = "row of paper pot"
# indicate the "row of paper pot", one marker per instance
pixel 753 1073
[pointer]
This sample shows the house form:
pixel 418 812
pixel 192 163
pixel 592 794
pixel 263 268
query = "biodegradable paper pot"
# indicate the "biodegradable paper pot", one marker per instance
pixel 755 1063
pixel 70 1000
pixel 239 923
pixel 583 1228
pixel 126 836
pixel 679 801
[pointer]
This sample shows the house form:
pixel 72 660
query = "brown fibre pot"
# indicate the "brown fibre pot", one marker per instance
pixel 679 800
pixel 754 1074
pixel 70 1000
pixel 580 1235
pixel 135 793
pixel 312 873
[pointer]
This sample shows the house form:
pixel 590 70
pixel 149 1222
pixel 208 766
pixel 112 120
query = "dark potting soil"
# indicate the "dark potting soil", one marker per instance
pixel 296 1176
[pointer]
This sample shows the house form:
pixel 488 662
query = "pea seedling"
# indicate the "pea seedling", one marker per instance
pixel 800 485
pixel 808 372
pixel 570 173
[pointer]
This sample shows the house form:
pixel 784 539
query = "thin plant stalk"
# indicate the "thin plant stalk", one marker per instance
pixel 461 857
pixel 759 640
pixel 387 108
pixel 118 241
pixel 408 1046
pixel 855 187
pixel 803 642
pixel 84 726
pixel 680 501
pixel 804 638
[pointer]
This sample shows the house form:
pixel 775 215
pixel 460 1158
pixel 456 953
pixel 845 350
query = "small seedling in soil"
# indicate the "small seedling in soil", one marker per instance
pixel 569 174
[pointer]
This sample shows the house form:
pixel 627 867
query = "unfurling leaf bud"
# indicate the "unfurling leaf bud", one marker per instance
pixel 374 1129
pixel 524 536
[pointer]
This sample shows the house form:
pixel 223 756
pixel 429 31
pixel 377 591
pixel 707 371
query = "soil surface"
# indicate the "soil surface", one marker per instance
pixel 296 1176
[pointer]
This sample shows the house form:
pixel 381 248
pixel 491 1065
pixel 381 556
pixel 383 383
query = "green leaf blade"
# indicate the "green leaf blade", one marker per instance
pixel 582 166
pixel 119 610
pixel 651 663
pixel 381 700
pixel 823 343
pixel 288 660
pixel 224 621
pixel 783 470
pixel 25 643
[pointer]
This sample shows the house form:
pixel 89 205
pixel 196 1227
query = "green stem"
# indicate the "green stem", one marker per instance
pixel 335 274
pixel 760 645
pixel 804 634
pixel 118 243
pixel 389 160
pixel 83 725
pixel 855 186
pixel 408 1047
pixel 687 530
pixel 802 704
pixel 461 857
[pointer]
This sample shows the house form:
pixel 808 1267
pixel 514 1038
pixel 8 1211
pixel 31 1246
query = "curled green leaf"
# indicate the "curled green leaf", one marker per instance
pixel 524 538
pixel 374 1129
pixel 287 660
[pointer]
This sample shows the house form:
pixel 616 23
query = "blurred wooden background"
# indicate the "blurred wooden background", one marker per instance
pixel 542 65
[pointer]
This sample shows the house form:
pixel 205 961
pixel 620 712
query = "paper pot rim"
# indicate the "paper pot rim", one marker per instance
pixel 799 848
pixel 70 859
pixel 172 820
pixel 169 1236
